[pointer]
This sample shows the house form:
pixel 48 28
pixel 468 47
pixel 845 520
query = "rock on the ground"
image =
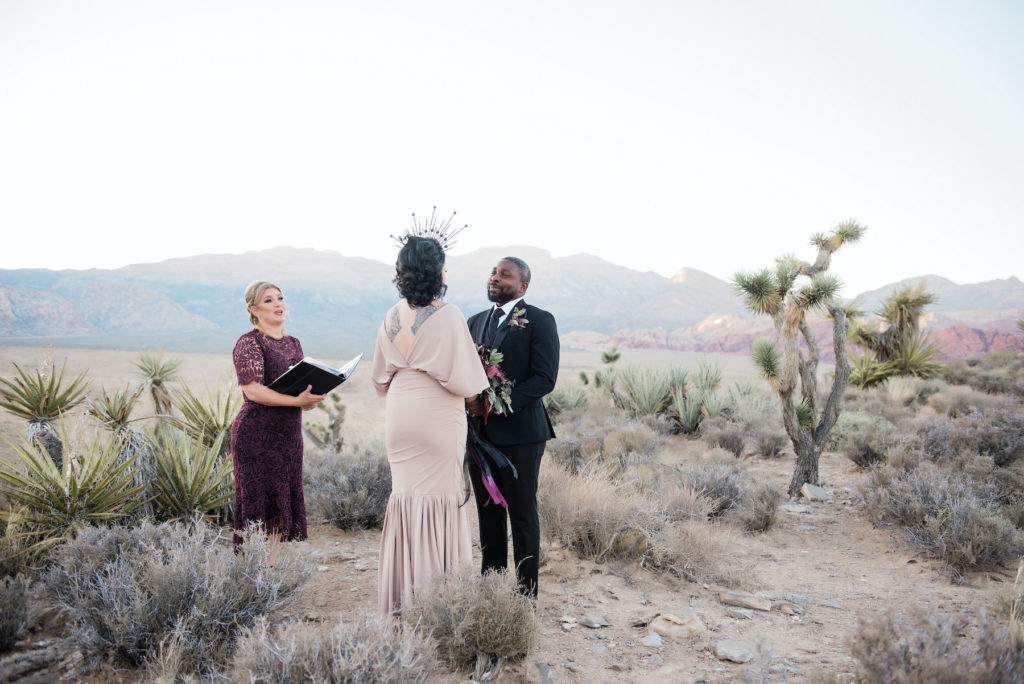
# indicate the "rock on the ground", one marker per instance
pixel 742 599
pixel 734 651
pixel 740 613
pixel 653 639
pixel 677 627
pixel 815 493
pixel 594 622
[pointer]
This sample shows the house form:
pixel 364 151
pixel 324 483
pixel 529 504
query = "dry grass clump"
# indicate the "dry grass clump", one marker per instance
pixel 928 648
pixel 14 615
pixel 863 438
pixel 369 650
pixel 605 436
pixel 126 590
pixel 698 552
pixel 471 617
pixel 724 484
pixel 770 444
pixel 725 434
pixel 595 515
pixel 683 502
pixel 953 517
pixel 760 508
pixel 958 401
pixel 351 489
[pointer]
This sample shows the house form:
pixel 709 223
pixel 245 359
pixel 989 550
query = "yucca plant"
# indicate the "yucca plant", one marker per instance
pixel 40 398
pixel 114 412
pixel 157 373
pixel 209 420
pixel 565 398
pixel 92 486
pixel 686 411
pixel 776 293
pixel 644 391
pixel 709 377
pixel 192 478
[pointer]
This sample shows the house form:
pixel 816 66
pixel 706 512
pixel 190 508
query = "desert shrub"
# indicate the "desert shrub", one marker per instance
pixel 369 650
pixel 723 484
pixel 936 437
pixel 470 616
pixel 756 410
pixel 901 389
pixel 699 552
pixel 863 438
pixel 770 443
pixel 998 433
pixel 593 514
pixel 960 401
pixel 14 615
pixel 924 647
pixel 350 489
pixel 759 508
pixel 627 439
pixel 683 502
pixel 953 518
pixel 126 590
pixel 608 437
pixel 687 411
pixel 724 434
pixel 566 397
pixel 1002 372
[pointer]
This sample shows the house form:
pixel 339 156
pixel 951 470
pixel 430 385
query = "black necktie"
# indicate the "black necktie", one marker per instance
pixel 492 325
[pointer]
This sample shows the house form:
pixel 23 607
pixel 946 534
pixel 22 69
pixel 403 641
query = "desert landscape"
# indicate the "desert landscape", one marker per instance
pixel 780 600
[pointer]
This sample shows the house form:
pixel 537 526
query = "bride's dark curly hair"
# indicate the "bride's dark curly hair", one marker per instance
pixel 418 271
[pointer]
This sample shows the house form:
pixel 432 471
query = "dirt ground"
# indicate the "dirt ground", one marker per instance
pixel 823 565
pixel 824 558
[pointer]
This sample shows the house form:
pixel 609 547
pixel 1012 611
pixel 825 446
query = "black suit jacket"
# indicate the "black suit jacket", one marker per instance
pixel 531 360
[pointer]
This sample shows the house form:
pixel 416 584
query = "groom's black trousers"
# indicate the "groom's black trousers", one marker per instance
pixel 521 494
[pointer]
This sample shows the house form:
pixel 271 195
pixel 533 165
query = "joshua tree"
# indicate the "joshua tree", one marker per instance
pixel 40 398
pixel 328 436
pixel 899 348
pixel 776 293
pixel 115 414
pixel 157 373
pixel 611 355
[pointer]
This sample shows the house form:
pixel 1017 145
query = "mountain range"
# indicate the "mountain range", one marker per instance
pixel 336 303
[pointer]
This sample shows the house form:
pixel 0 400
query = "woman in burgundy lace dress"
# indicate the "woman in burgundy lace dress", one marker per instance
pixel 266 437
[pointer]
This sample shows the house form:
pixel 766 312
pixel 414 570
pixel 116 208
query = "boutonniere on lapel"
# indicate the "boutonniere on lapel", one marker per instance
pixel 517 319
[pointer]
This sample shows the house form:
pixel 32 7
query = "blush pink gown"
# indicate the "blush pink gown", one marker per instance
pixel 426 532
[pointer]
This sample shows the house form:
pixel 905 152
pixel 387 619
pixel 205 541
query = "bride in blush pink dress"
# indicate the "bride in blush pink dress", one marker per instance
pixel 426 364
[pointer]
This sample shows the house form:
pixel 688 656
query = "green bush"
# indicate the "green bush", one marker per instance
pixel 129 592
pixel 351 489
pixel 370 650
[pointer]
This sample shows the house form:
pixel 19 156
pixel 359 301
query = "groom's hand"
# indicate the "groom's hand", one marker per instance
pixel 475 406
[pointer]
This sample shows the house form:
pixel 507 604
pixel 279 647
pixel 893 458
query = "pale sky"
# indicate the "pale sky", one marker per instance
pixel 715 135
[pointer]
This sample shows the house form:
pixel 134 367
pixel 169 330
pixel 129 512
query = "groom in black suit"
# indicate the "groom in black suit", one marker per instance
pixel 528 339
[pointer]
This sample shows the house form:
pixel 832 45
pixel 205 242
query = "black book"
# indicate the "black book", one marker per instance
pixel 309 371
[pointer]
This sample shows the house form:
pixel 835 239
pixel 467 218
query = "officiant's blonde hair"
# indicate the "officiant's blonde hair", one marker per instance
pixel 253 293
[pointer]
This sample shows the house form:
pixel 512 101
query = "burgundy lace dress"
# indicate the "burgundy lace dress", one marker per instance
pixel 266 442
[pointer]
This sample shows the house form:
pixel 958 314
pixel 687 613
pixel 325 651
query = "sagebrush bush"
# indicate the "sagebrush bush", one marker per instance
pixel 126 590
pixel 954 518
pixel 862 438
pixel 14 615
pixel 723 484
pixel 928 648
pixel 1001 372
pixel 683 502
pixel 998 433
pixel 351 489
pixel 770 444
pixel 760 507
pixel 370 650
pixel 958 401
pixel 724 434
pixel 607 438
pixel 468 615
pixel 593 514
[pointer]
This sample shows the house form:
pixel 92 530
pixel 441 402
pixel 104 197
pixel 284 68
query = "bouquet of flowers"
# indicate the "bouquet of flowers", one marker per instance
pixel 498 395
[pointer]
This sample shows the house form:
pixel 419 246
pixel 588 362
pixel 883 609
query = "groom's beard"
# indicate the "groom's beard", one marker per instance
pixel 500 296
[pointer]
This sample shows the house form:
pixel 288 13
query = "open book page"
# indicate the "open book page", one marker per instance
pixel 343 372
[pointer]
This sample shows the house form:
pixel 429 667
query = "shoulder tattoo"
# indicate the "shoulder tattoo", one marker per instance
pixel 422 314
pixel 393 324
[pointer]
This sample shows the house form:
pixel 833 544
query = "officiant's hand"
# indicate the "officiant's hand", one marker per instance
pixel 307 400
pixel 475 406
